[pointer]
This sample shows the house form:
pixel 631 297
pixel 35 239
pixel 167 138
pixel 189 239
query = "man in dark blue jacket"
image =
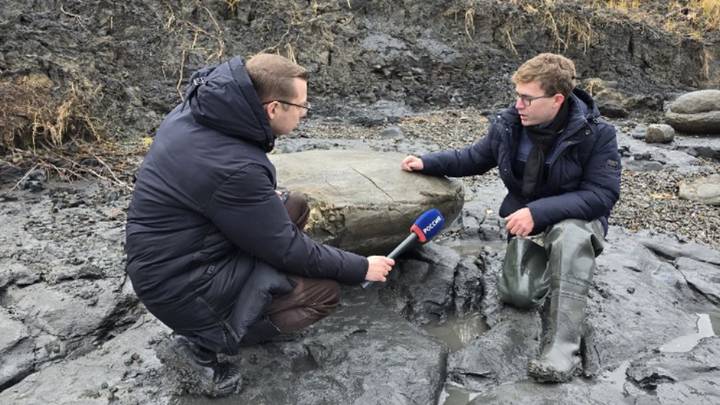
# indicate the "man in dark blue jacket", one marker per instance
pixel 561 166
pixel 214 251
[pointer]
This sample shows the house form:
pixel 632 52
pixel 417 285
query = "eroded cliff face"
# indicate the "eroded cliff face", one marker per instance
pixel 117 68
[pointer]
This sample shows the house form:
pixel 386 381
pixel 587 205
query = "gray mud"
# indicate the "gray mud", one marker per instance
pixel 410 77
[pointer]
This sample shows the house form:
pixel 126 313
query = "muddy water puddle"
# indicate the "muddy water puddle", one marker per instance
pixel 457 333
pixel 707 325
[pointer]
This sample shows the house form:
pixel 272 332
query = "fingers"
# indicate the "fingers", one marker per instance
pixel 411 163
pixel 405 165
pixel 379 267
pixel 515 226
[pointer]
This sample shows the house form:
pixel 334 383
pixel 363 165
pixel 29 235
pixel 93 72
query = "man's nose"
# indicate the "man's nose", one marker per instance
pixel 519 105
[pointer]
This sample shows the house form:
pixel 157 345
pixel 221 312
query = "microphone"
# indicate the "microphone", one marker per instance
pixel 425 227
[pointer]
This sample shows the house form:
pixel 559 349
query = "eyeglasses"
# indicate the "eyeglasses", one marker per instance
pixel 306 105
pixel 527 100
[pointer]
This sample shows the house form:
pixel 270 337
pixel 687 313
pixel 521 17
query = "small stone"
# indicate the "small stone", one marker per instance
pixel 660 133
pixel 631 290
pixel 391 132
pixel 639 132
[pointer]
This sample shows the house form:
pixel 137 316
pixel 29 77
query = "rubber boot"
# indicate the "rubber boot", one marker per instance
pixel 198 370
pixel 572 246
pixel 524 281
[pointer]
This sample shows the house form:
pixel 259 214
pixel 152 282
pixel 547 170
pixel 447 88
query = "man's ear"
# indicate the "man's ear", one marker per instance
pixel 271 109
pixel 558 99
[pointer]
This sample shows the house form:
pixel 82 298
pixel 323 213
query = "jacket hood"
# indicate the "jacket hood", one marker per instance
pixel 223 98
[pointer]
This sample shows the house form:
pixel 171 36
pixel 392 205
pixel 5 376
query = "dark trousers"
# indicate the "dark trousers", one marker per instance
pixel 311 299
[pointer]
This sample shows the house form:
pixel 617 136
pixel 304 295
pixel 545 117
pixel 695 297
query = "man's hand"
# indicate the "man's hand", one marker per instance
pixel 378 268
pixel 412 164
pixel 520 222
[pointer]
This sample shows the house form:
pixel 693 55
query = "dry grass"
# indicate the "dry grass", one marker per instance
pixel 52 129
pixel 623 4
pixel 567 28
pixel 35 114
pixel 685 17
pixel 209 43
pixel 106 161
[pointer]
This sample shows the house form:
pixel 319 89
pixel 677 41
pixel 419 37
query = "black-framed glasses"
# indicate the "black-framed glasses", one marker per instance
pixel 306 105
pixel 527 100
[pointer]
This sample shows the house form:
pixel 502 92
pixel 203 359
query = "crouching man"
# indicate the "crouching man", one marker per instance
pixel 213 250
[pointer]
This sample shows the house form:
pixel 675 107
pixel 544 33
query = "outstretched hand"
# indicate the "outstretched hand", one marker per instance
pixel 412 164
pixel 378 268
pixel 520 222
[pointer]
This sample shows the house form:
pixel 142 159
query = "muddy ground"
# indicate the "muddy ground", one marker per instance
pixel 402 76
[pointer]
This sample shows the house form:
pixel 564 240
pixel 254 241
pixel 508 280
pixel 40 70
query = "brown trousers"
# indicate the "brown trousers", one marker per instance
pixel 311 299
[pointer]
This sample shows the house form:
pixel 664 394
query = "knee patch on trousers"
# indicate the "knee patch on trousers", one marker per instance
pixel 298 209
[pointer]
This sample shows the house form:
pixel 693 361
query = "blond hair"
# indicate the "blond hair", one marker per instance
pixel 273 75
pixel 555 73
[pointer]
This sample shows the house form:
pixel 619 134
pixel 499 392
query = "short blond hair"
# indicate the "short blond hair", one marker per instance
pixel 272 76
pixel 555 73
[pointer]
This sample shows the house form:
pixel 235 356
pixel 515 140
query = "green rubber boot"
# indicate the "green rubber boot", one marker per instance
pixel 524 281
pixel 572 246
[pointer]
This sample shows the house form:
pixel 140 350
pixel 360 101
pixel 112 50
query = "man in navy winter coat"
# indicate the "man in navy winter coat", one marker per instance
pixel 214 251
pixel 561 166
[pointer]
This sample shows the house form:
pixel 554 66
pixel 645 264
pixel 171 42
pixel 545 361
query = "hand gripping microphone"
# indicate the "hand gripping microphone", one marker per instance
pixel 425 227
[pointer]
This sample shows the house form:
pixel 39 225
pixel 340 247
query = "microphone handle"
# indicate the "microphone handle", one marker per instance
pixel 399 249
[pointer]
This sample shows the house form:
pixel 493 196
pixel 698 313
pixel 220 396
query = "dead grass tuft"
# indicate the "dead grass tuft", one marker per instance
pixel 682 17
pixel 51 129
pixel 34 113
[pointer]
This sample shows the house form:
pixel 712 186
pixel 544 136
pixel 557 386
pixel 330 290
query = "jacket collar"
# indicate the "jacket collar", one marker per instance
pixel 582 109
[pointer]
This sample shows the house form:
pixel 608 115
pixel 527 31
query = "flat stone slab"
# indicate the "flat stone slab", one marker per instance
pixel 361 200
pixel 704 189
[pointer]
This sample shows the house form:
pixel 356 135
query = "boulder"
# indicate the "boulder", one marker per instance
pixel 360 200
pixel 660 133
pixel 705 190
pixel 696 112
pixel 611 102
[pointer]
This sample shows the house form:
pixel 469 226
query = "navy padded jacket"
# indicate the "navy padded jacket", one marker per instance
pixel 583 169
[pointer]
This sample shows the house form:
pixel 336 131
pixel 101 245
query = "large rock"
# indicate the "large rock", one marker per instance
pixel 361 201
pixel 679 378
pixel 124 370
pixel 696 112
pixel 16 349
pixel 704 189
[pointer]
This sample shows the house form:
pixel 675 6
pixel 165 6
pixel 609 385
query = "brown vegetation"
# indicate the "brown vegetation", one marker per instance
pixel 35 113
pixel 47 128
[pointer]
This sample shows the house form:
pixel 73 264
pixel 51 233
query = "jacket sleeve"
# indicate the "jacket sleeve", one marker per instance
pixel 248 211
pixel 597 193
pixel 474 159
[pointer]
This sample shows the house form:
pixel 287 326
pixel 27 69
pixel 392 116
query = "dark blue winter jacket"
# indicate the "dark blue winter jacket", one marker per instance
pixel 583 168
pixel 208 239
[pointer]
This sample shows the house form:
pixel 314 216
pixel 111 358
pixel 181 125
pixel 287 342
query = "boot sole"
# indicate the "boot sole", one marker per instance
pixel 191 378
